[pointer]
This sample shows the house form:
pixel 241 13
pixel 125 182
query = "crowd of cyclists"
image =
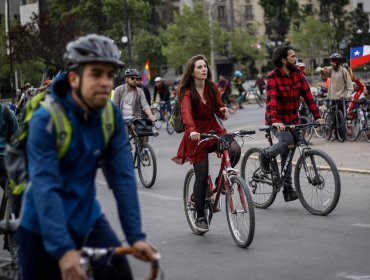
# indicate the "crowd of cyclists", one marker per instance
pixel 84 90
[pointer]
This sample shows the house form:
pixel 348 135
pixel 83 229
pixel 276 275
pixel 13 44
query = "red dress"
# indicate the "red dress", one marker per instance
pixel 202 120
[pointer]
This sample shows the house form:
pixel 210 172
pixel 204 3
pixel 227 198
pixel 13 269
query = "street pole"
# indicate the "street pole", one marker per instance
pixel 211 41
pixel 9 47
pixel 127 27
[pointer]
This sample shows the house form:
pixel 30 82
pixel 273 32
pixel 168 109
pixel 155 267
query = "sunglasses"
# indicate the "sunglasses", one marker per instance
pixel 135 78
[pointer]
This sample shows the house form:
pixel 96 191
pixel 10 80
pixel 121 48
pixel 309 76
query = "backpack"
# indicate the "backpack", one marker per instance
pixel 15 159
pixel 178 125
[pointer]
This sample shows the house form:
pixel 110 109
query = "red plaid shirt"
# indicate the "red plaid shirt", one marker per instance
pixel 283 93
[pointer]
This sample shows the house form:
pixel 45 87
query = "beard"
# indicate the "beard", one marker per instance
pixel 291 67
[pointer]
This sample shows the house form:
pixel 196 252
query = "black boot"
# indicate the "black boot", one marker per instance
pixel 264 162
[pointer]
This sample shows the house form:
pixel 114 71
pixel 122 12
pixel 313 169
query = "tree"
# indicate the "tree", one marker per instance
pixel 191 34
pixel 312 38
pixel 358 26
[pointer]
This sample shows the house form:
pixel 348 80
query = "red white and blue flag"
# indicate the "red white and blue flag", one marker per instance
pixel 360 56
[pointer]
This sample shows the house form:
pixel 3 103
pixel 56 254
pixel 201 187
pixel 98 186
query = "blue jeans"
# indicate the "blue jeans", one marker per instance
pixel 37 264
pixel 165 106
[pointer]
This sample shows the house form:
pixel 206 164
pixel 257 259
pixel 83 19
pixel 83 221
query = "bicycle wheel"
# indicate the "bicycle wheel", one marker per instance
pixel 188 199
pixel 340 126
pixel 320 131
pixel 159 122
pixel 307 132
pixel 353 129
pixel 259 183
pixel 258 99
pixel 147 167
pixel 240 212
pixel 170 126
pixel 318 187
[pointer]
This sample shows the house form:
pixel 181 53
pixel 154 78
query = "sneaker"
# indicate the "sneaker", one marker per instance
pixel 264 162
pixel 289 194
pixel 201 224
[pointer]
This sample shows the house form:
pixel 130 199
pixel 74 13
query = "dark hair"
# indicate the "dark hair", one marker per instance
pixel 187 81
pixel 280 53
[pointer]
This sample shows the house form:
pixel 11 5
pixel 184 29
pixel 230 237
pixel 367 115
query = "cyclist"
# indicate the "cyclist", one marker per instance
pixel 130 98
pixel 359 88
pixel 225 89
pixel 340 83
pixel 145 89
pixel 163 91
pixel 238 84
pixel 285 85
pixel 61 212
pixel 200 101
pixel 260 83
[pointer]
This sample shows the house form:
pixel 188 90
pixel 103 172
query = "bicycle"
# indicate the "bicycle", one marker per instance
pixel 335 120
pixel 251 92
pixel 9 221
pixel 89 255
pixel 316 176
pixel 238 201
pixel 170 120
pixel 142 153
pixel 358 121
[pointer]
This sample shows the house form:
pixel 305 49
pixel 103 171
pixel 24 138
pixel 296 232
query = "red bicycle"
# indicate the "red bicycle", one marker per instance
pixel 238 201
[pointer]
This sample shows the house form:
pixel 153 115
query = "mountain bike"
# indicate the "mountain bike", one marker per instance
pixel 9 220
pixel 238 201
pixel 358 121
pixel 142 152
pixel 335 120
pixel 90 255
pixel 316 176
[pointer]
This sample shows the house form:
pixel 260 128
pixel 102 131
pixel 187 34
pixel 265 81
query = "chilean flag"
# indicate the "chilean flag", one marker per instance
pixel 360 56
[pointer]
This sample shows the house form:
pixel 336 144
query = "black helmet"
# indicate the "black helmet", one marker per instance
pixel 91 48
pixel 335 56
pixel 131 72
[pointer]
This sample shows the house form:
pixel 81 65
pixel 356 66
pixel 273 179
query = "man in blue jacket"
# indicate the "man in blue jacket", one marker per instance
pixel 61 213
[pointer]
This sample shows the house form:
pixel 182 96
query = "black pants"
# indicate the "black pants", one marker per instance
pixel 201 176
pixel 36 264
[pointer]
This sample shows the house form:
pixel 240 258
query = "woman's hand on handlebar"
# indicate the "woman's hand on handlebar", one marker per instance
pixel 225 112
pixel 195 135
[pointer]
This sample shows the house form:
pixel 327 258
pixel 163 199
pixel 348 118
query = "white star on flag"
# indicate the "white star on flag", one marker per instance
pixel 356 53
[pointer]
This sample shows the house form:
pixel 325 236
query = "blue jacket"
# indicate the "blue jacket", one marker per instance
pixel 60 201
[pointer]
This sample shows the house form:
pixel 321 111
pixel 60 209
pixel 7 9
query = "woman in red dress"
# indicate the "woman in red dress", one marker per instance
pixel 200 101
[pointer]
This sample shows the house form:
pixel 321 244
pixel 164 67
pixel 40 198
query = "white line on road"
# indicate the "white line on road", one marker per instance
pixel 362 225
pixel 354 277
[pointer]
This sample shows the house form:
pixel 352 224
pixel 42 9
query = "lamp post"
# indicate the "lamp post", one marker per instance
pixel 9 47
pixel 212 54
pixel 128 31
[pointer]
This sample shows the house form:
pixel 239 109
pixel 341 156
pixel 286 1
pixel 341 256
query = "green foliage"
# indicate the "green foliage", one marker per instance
pixel 242 43
pixel 191 34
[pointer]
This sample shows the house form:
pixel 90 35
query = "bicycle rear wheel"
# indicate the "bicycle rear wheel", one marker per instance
pixel 147 167
pixel 259 183
pixel 240 212
pixel 307 132
pixel 189 203
pixel 258 99
pixel 318 187
pixel 353 129
pixel 328 127
pixel 340 125
pixel 170 126
pixel 320 131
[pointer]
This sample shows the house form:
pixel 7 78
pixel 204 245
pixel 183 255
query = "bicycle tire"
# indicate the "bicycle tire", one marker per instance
pixel 189 204
pixel 170 126
pixel 307 132
pixel 340 126
pixel 146 160
pixel 158 124
pixel 320 131
pixel 320 194
pixel 259 183
pixel 258 99
pixel 241 219
pixel 353 129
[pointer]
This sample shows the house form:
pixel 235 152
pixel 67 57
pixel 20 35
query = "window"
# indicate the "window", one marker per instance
pixel 248 12
pixel 221 12
pixel 360 6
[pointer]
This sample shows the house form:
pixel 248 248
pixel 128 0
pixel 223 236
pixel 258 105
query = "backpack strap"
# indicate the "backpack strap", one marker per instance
pixel 8 123
pixel 63 126
pixel 108 122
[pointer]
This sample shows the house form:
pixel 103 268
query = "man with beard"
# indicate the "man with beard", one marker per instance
pixel 285 85
pixel 340 87
pixel 130 98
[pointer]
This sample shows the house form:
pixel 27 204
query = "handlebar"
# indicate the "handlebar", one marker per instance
pixel 89 254
pixel 240 133
pixel 291 126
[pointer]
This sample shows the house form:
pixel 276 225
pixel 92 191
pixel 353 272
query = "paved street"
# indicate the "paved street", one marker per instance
pixel 289 242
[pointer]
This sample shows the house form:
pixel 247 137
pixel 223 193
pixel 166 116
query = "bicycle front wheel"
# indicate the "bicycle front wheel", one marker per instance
pixel 147 165
pixel 189 203
pixel 340 125
pixel 353 129
pixel 170 126
pixel 307 132
pixel 317 182
pixel 320 131
pixel 259 183
pixel 240 212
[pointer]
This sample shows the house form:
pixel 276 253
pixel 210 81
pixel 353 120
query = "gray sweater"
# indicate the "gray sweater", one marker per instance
pixel 340 83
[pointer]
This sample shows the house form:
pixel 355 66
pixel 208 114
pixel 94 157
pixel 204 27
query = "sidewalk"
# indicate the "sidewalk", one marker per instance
pixel 352 157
